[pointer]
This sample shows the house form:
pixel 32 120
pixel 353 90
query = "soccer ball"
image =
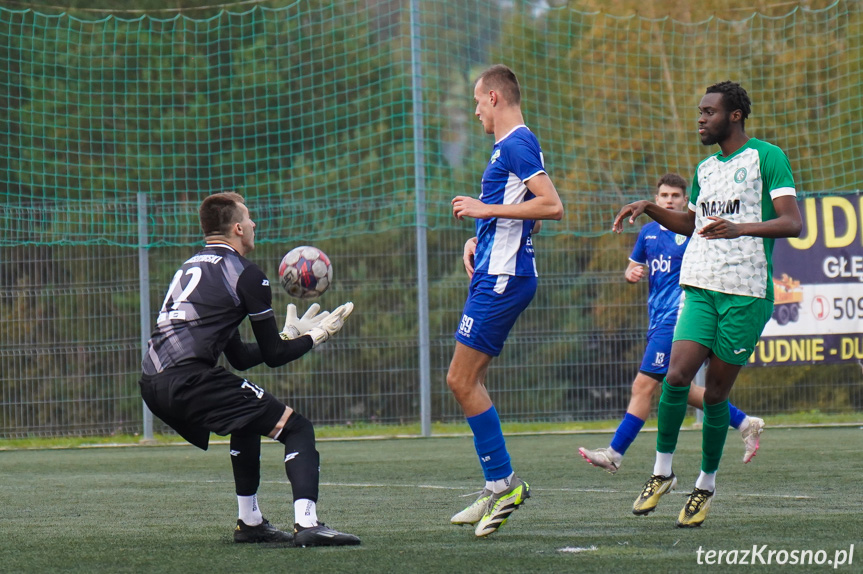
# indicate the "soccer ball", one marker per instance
pixel 305 272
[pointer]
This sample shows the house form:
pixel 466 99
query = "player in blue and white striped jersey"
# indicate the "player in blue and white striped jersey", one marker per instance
pixel 516 194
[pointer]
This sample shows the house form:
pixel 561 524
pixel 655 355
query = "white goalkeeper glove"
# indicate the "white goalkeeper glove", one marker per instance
pixel 295 327
pixel 331 324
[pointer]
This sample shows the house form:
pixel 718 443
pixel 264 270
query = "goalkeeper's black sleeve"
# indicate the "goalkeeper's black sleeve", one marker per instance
pixel 273 349
pixel 269 348
pixel 242 355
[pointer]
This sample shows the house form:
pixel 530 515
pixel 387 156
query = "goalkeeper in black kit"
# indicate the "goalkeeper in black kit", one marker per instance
pixel 209 296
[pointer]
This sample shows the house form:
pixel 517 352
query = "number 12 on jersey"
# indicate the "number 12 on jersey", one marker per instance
pixel 174 313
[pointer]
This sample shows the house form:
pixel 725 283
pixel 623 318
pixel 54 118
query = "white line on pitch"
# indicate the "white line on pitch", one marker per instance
pixel 438 487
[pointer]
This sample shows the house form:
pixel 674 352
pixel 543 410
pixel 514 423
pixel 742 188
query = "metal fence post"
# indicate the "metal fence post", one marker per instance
pixel 144 289
pixel 422 253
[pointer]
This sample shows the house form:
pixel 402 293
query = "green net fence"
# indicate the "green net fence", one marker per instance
pixel 308 110
pixel 345 124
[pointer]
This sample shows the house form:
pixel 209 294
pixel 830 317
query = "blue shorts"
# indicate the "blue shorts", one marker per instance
pixel 658 352
pixel 493 304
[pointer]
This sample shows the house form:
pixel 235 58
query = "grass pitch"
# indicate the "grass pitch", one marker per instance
pixel 172 508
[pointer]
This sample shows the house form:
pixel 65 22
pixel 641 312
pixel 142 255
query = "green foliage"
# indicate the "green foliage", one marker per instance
pixel 313 111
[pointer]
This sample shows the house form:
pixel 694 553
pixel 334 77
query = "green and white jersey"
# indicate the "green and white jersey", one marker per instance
pixel 739 188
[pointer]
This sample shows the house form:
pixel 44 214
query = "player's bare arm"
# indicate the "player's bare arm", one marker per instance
pixel 634 272
pixel 682 222
pixel 467 257
pixel 546 204
pixel 787 224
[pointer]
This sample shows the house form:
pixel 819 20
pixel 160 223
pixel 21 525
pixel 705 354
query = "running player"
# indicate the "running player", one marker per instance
pixel 210 295
pixel 743 197
pixel 516 191
pixel 661 251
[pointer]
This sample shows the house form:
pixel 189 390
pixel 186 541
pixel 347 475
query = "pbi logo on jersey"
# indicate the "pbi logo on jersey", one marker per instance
pixel 660 265
pixel 740 175
pixel 494 156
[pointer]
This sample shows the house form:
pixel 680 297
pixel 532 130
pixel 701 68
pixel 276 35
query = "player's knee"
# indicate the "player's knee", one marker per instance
pixel 677 378
pixel 643 388
pixel 454 382
pixel 463 388
pixel 297 429
pixel 714 395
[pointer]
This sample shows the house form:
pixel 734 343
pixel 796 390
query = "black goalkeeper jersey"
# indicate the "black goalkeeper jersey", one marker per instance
pixel 209 297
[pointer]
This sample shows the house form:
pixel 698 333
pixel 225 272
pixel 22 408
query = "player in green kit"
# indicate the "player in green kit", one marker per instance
pixel 743 198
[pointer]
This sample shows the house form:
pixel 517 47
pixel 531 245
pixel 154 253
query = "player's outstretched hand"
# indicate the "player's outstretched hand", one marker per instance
pixel 331 324
pixel 632 210
pixel 294 326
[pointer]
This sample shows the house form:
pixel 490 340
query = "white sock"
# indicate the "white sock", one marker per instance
pixel 615 456
pixel 706 481
pixel 499 486
pixel 662 466
pixel 249 511
pixel 744 425
pixel 305 512
pixel 489 485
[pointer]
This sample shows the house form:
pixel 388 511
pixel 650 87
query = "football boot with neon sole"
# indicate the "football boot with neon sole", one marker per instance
pixel 501 505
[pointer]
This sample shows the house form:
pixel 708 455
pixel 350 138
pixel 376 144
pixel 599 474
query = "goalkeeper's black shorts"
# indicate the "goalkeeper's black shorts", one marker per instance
pixel 196 400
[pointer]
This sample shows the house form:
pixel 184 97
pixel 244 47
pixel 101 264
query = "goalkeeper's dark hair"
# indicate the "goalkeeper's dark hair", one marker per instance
pixel 672 180
pixel 734 97
pixel 219 211
pixel 502 80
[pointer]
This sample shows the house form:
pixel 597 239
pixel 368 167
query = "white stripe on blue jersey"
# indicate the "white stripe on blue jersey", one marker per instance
pixel 504 246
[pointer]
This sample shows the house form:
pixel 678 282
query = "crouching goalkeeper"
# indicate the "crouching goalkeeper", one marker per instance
pixel 209 296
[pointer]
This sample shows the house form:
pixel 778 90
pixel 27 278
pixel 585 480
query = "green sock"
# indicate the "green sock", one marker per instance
pixel 713 434
pixel 672 409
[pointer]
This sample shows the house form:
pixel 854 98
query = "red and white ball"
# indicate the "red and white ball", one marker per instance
pixel 305 272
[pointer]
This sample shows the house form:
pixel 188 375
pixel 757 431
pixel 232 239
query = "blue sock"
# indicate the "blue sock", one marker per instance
pixel 737 416
pixel 490 445
pixel 626 432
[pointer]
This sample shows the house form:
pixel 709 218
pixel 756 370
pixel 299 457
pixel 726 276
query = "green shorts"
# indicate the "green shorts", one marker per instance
pixel 728 325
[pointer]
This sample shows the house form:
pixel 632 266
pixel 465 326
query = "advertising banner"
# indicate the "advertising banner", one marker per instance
pixel 818 288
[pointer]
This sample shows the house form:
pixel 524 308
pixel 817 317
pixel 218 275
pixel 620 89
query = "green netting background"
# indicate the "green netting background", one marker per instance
pixel 308 110
pixel 333 118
